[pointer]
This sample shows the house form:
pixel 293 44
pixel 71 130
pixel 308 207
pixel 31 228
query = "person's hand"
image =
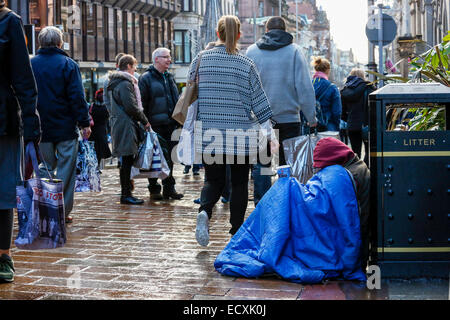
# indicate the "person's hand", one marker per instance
pixel 312 125
pixel 148 126
pixel 86 132
pixel 274 146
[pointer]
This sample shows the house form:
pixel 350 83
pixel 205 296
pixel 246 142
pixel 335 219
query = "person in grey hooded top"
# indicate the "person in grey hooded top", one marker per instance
pixel 286 79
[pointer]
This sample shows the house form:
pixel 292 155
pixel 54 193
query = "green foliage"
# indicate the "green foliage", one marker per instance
pixel 427 119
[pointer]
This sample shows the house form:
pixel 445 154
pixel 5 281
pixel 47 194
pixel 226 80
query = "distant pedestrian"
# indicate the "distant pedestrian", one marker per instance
pixel 126 114
pixel 286 80
pixel 327 94
pixel 19 122
pixel 159 94
pixel 229 91
pixel 99 135
pixel 62 107
pixel 355 110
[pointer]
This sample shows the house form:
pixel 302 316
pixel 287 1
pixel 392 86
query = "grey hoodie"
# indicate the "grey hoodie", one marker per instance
pixel 285 77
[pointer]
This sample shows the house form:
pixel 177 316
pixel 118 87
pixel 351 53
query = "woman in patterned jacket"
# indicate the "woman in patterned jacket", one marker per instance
pixel 231 105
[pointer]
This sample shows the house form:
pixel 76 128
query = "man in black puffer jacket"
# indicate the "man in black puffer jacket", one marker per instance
pixel 159 96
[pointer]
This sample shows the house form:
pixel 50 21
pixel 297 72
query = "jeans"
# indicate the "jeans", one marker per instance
pixel 215 180
pixel 263 182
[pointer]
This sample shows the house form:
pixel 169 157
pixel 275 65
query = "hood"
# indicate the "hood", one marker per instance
pixel 274 39
pixel 353 89
pixel 330 151
pixel 116 77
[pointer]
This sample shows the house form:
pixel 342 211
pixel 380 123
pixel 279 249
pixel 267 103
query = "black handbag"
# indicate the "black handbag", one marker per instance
pixel 140 131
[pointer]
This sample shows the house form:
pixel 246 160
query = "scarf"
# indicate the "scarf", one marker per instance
pixel 137 93
pixel 320 74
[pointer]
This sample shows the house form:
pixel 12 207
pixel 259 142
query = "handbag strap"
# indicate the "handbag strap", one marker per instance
pixel 31 154
pixel 323 93
pixel 198 65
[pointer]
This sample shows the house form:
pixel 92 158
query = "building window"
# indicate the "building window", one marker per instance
pixel 261 8
pixel 186 5
pixel 182 46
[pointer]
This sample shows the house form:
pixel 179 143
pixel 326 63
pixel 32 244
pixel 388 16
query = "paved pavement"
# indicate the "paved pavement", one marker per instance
pixel 118 251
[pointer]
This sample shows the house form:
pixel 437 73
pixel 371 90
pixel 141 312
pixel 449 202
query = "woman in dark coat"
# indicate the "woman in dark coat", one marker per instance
pixel 100 116
pixel 354 97
pixel 126 112
pixel 18 119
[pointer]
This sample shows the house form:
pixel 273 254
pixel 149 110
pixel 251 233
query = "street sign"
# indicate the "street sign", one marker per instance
pixel 389 29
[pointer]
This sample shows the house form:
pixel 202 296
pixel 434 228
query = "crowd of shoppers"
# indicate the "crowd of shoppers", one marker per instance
pixel 236 93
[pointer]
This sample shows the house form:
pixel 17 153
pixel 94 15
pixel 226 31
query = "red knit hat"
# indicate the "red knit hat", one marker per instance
pixel 330 151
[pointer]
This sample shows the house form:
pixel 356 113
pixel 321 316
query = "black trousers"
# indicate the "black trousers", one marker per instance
pixel 356 141
pixel 286 131
pixel 215 180
pixel 125 171
pixel 6 228
pixel 168 183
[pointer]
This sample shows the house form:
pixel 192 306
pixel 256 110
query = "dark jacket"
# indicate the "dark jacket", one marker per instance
pixel 330 101
pixel 159 96
pixel 100 115
pixel 18 93
pixel 124 114
pixel 354 97
pixel 61 101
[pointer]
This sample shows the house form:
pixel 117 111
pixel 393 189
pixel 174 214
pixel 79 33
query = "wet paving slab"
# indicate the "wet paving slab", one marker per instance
pixel 149 252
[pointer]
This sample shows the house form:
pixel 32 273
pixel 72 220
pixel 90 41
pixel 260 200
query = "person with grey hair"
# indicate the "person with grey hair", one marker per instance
pixel 19 122
pixel 355 110
pixel 159 95
pixel 63 110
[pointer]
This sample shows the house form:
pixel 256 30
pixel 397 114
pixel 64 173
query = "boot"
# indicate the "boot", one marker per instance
pixel 130 200
pixel 169 192
pixel 155 191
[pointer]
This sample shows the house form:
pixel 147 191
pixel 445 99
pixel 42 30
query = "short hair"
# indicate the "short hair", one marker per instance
pixel 321 64
pixel 50 37
pixel 276 23
pixel 358 73
pixel 125 61
pixel 119 55
pixel 158 52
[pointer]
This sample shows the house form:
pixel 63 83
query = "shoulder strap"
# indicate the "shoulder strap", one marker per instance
pixel 323 93
pixel 3 12
pixel 198 66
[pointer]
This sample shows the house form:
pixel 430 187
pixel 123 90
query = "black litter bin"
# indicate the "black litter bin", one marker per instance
pixel 410 180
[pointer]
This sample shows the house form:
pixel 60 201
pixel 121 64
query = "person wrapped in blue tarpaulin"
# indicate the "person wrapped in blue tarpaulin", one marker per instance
pixel 303 233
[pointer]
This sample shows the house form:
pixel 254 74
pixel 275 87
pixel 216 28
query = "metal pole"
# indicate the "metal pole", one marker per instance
pixel 279 7
pixel 254 20
pixel 371 65
pixel 296 21
pixel 380 43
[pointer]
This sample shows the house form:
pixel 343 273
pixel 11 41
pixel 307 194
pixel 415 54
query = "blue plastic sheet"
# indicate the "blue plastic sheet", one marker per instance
pixel 304 233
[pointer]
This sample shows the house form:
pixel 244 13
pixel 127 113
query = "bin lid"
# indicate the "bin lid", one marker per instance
pixel 410 91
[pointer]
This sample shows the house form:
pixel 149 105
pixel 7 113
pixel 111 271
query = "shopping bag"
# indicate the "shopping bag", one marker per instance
pixel 185 146
pixel 40 210
pixel 144 157
pixel 298 152
pixel 188 96
pixel 88 175
pixel 159 168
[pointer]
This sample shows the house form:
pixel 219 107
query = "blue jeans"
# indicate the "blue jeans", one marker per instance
pixel 261 182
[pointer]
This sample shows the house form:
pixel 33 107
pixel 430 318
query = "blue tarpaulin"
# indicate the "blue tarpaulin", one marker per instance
pixel 304 233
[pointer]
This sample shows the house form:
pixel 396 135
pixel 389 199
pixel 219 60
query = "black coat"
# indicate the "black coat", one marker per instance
pixel 18 93
pixel 61 102
pixel 354 97
pixel 100 116
pixel 159 95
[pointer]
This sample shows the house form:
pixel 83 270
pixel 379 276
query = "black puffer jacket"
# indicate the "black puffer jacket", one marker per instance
pixel 18 93
pixel 159 96
pixel 354 102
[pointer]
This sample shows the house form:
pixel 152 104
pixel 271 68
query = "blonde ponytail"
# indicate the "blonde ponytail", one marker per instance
pixel 229 28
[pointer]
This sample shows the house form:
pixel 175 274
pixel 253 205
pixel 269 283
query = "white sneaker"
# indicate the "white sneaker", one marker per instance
pixel 202 229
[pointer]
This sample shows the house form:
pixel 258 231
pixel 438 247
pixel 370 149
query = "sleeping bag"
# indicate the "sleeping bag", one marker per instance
pixel 304 233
